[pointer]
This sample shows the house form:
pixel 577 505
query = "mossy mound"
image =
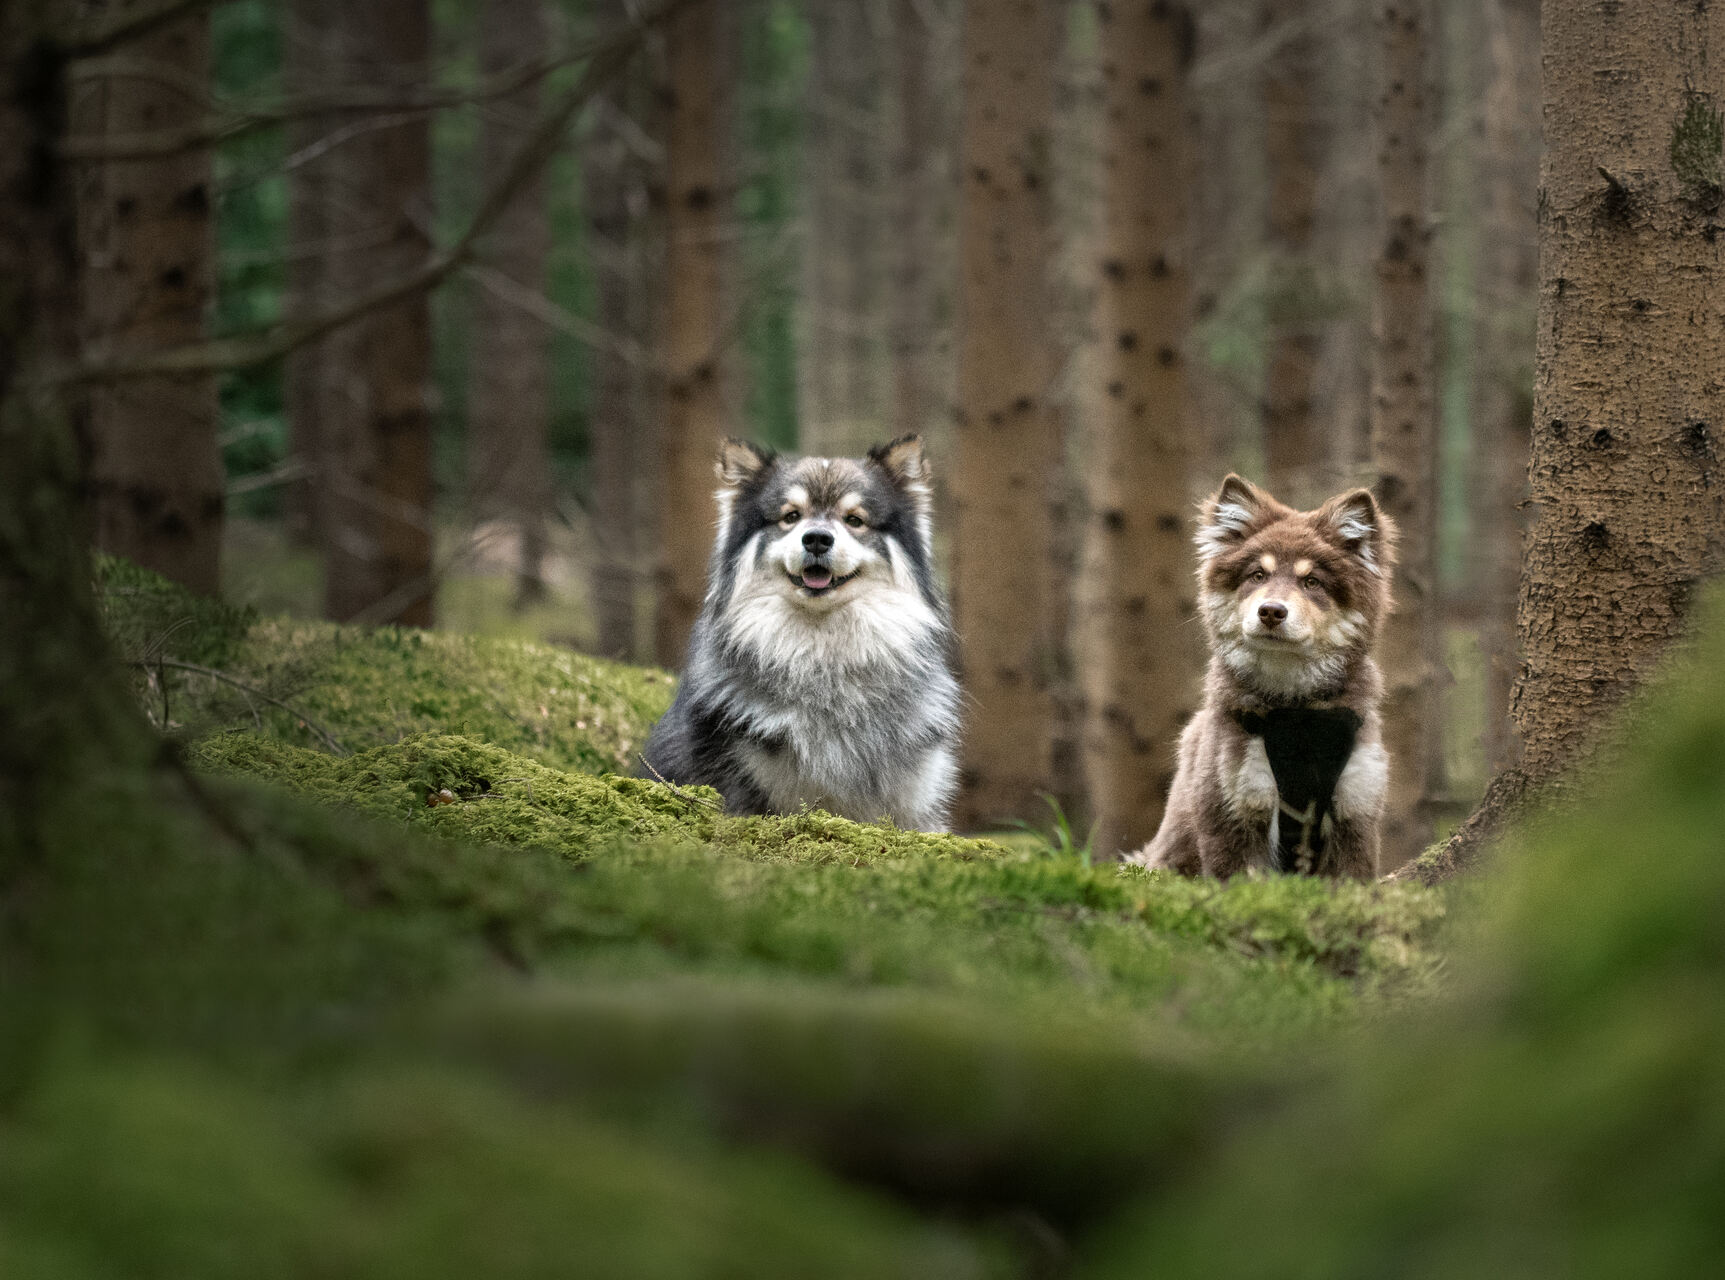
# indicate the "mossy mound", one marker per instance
pixel 470 790
pixel 314 683
pixel 146 617
pixel 669 883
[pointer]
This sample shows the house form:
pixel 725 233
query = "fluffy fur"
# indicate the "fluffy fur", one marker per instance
pixel 1292 602
pixel 820 670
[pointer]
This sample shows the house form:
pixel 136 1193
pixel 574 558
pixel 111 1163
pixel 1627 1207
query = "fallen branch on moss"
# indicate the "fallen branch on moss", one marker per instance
pixel 677 791
pixel 250 690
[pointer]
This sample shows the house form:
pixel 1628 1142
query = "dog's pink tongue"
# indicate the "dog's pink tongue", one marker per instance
pixel 817 579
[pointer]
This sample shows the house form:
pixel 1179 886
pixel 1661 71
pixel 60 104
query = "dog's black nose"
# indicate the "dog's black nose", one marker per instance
pixel 817 542
pixel 1272 613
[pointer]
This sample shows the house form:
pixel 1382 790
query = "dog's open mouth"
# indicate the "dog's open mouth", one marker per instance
pixel 817 580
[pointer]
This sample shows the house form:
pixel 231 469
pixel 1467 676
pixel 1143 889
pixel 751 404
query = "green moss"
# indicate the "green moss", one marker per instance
pixel 146 617
pixel 947 1100
pixel 366 687
pixel 1698 148
pixel 376 686
pixel 162 1169
pixel 667 883
pixel 495 797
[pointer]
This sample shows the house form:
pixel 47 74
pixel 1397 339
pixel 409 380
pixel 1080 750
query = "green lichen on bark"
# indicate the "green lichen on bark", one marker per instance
pixel 1698 149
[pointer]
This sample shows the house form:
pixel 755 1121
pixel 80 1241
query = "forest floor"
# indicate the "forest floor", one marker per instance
pixel 458 999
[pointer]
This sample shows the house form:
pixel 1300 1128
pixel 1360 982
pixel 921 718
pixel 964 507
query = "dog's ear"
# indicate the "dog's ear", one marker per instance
pixel 1228 515
pixel 904 463
pixel 741 463
pixel 907 468
pixel 1356 524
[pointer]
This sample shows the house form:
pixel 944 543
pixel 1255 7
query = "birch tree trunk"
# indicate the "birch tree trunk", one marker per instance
pixel 509 414
pixel 695 419
pixel 1008 435
pixel 1138 656
pixel 378 544
pixel 1404 429
pixel 1503 412
pixel 146 249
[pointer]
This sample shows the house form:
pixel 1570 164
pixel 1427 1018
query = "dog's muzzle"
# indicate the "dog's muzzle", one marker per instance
pixel 817 576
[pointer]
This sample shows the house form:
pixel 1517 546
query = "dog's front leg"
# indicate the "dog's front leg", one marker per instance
pixel 1351 852
pixel 1351 847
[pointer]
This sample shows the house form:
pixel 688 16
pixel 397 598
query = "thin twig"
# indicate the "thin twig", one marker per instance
pixel 610 55
pixel 687 796
pixel 250 689
pixel 116 28
pixel 227 122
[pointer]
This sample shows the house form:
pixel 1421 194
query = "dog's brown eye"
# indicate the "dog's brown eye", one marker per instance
pixel 1257 575
pixel 790 518
pixel 1310 583
pixel 855 521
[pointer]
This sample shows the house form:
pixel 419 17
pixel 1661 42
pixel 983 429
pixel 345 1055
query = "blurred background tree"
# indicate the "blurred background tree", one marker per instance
pixel 1096 262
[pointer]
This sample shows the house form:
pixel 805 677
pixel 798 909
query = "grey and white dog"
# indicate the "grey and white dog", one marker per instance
pixel 820 670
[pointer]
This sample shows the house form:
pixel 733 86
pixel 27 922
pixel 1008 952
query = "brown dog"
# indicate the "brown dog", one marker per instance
pixel 1283 768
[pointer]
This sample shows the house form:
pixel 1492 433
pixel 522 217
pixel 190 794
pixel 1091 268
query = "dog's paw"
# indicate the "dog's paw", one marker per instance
pixel 1364 782
pixel 1252 788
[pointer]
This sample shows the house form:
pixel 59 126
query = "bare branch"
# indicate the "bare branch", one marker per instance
pixel 250 690
pixel 114 28
pixel 687 797
pixel 242 351
pixel 228 122
pixel 555 316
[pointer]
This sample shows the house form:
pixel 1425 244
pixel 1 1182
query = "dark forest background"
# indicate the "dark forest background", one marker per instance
pixel 1340 214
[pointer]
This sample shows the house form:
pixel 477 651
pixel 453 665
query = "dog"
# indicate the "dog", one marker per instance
pixel 820 670
pixel 1283 767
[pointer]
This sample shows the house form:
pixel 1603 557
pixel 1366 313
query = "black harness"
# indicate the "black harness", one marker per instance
pixel 1308 747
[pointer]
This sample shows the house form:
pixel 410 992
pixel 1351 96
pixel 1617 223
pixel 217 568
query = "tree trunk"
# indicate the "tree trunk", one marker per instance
pixel 71 728
pixel 1136 644
pixel 1503 412
pixel 1295 143
pixel 1008 442
pixel 845 152
pixel 1628 509
pixel 819 371
pixel 1404 430
pixel 378 549
pixel 914 251
pixel 1229 221
pixel 609 172
pixel 694 325
pixel 509 414
pixel 146 253
pixel 307 54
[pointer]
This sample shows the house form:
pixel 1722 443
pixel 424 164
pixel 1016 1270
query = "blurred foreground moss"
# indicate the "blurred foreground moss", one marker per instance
pixel 151 1168
pixel 1563 1114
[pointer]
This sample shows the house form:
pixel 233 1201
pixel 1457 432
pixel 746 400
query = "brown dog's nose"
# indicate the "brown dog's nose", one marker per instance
pixel 1272 613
